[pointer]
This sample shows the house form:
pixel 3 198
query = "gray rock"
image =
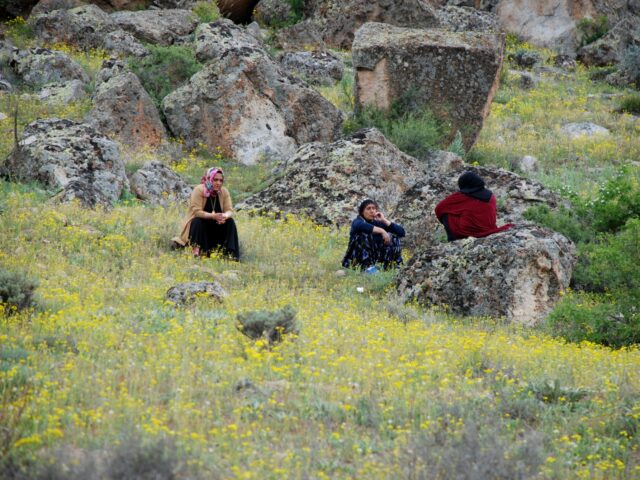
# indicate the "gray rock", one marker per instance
pixel 246 104
pixel 40 66
pixel 466 19
pixel 63 93
pixel 123 108
pixel 83 26
pixel 47 6
pixel 455 75
pixel 317 67
pixel 576 130
pixel 518 274
pixel 256 32
pixel 527 164
pixel 216 40
pixel 158 184
pixel 123 43
pixel 160 27
pixel 338 21
pixel 609 50
pixel 185 293
pixel 326 182
pixel 303 35
pixel 272 13
pixel 527 80
pixel 71 156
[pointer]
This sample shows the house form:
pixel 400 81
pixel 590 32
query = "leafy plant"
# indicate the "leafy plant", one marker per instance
pixel 268 325
pixel 165 69
pixel 206 11
pixel 553 392
pixel 592 29
pixel 16 291
pixel 630 104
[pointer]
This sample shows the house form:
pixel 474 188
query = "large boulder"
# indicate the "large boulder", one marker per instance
pixel 315 67
pixel 326 182
pixel 158 184
pixel 48 6
pixel 63 93
pixel 40 66
pixel 160 27
pixel 218 39
pixel 84 26
pixel 339 21
pixel 272 13
pixel 610 49
pixel 466 19
pixel 515 196
pixel 123 108
pixel 70 156
pixel 121 43
pixel 518 274
pixel 453 74
pixel 246 103
pixel 185 293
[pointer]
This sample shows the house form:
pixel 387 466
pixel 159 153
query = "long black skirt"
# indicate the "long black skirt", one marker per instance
pixel 367 249
pixel 210 236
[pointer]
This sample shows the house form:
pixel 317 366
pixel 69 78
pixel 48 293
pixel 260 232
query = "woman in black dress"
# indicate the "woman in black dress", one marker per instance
pixel 209 224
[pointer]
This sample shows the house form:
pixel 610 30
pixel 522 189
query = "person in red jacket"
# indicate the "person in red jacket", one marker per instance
pixel 470 212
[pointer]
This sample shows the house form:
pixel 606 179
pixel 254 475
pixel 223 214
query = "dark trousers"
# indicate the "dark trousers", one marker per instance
pixel 366 249
pixel 209 236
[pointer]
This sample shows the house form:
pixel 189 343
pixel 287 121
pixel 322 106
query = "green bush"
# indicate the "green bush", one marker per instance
pixel 16 291
pixel 598 318
pixel 630 104
pixel 206 12
pixel 592 29
pixel 165 69
pixel 412 128
pixel 563 220
pixel 268 325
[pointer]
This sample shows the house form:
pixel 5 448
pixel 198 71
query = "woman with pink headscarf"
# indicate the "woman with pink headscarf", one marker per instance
pixel 209 224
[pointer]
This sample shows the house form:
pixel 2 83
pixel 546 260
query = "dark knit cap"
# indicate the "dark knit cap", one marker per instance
pixel 470 182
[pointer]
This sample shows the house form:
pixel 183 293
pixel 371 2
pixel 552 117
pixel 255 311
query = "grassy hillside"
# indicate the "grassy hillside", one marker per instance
pixel 103 375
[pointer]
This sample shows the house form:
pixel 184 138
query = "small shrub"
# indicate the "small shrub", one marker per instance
pixel 268 325
pixel 631 64
pixel 525 58
pixel 206 12
pixel 553 392
pixel 563 220
pixel 630 104
pixel 16 291
pixel 20 32
pixel 592 29
pixel 165 69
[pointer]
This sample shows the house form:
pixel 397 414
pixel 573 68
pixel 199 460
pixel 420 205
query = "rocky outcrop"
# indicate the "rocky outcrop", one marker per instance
pixel 272 13
pixel 518 274
pixel 40 66
pixel 316 67
pixel 122 107
pixel 610 49
pixel 244 102
pixel 70 156
pixel 185 293
pixel 157 184
pixel 338 21
pixel 455 75
pixel 160 27
pixel 48 6
pixel 301 36
pixel 216 40
pixel 516 195
pixel 63 93
pixel 121 43
pixel 466 19
pixel 326 182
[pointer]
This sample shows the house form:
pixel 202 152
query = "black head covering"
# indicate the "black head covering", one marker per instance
pixel 472 184
pixel 364 205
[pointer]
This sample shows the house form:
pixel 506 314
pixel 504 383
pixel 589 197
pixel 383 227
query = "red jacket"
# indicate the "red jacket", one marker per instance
pixel 470 217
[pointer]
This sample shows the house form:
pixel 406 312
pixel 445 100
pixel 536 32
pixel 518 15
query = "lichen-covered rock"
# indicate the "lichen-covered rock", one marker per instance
pixel 123 43
pixel 246 104
pixel 185 293
pixel 583 129
pixel 338 21
pixel 40 66
pixel 123 108
pixel 160 27
pixel 455 75
pixel 316 67
pixel 83 26
pixel 466 19
pixel 63 93
pixel 301 36
pixel 610 49
pixel 326 182
pixel 216 40
pixel 272 13
pixel 70 156
pixel 158 184
pixel 48 6
pixel 518 274
pixel 515 195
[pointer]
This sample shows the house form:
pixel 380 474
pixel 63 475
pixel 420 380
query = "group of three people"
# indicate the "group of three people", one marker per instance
pixel 373 239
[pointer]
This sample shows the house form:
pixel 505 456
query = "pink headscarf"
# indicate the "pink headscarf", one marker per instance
pixel 207 181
